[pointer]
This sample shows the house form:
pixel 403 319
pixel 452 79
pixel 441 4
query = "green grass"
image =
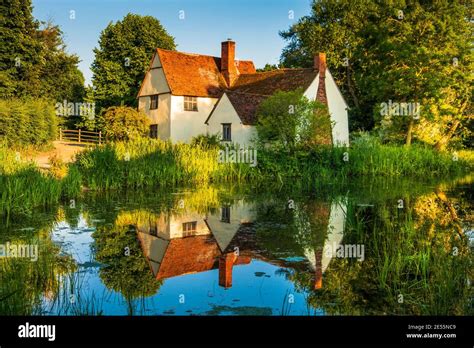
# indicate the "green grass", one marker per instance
pixel 154 163
pixel 148 162
pixel 23 186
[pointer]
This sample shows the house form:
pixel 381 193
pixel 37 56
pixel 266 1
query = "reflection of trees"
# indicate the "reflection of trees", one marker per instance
pixel 125 268
pixel 415 262
pixel 24 283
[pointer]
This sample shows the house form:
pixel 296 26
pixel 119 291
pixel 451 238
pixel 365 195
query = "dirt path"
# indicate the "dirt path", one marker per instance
pixel 63 150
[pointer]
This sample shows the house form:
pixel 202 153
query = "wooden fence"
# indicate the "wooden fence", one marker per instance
pixel 80 136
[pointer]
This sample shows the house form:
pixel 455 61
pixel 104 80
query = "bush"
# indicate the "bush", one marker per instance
pixel 125 123
pixel 27 121
pixel 207 141
pixel 288 120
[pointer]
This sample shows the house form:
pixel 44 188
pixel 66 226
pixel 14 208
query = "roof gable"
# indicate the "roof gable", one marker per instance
pixel 192 74
pixel 196 74
pixel 246 105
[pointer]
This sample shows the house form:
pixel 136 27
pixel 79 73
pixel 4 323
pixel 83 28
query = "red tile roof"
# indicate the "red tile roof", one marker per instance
pixel 268 82
pixel 246 104
pixel 192 74
pixel 196 74
pixel 251 89
pixel 200 76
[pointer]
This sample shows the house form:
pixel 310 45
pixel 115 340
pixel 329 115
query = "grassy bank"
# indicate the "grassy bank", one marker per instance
pixel 152 163
pixel 23 186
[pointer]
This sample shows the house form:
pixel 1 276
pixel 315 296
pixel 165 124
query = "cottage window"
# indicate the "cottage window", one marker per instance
pixel 154 131
pixel 154 102
pixel 225 216
pixel 190 104
pixel 189 227
pixel 226 132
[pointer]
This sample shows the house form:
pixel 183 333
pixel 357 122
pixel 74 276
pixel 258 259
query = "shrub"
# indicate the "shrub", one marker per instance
pixel 27 121
pixel 288 120
pixel 207 141
pixel 125 123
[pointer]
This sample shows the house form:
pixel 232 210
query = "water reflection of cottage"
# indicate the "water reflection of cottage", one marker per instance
pixel 187 242
pixel 318 257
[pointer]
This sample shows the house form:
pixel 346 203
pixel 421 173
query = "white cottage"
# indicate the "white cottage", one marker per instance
pixel 186 95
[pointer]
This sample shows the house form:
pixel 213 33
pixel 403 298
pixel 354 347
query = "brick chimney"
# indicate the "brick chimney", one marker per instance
pixel 318 274
pixel 228 68
pixel 226 263
pixel 320 63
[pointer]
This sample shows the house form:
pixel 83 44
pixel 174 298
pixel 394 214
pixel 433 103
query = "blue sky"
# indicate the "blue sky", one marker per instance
pixel 254 25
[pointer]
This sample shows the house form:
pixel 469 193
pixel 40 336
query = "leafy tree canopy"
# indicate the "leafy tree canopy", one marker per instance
pixel 33 57
pixel 123 56
pixel 380 51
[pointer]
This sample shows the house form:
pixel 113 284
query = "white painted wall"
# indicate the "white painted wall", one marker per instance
pixel 337 219
pixel 160 116
pixel 240 212
pixel 225 113
pixel 338 110
pixel 187 124
pixel 312 90
pixel 155 83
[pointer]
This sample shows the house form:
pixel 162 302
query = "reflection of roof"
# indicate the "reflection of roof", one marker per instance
pixel 188 255
pixel 196 74
pixel 183 255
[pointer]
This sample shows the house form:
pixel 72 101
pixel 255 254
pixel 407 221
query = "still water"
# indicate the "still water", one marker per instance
pixel 369 247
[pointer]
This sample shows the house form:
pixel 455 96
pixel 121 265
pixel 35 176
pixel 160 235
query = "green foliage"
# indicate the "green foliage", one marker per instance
pixel 61 78
pixel 269 67
pixel 24 283
pixel 125 123
pixel 123 56
pixel 288 119
pixel 125 268
pixel 33 59
pixel 151 162
pixel 418 51
pixel 207 141
pixel 24 187
pixel 27 121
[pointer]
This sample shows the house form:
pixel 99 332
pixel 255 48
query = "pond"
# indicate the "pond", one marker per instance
pixel 364 247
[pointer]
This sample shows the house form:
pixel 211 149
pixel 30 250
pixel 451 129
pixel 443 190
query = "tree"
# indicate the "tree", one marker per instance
pixel 123 56
pixel 125 267
pixel 21 53
pixel 124 123
pixel 60 77
pixel 33 59
pixel 269 67
pixel 380 51
pixel 289 119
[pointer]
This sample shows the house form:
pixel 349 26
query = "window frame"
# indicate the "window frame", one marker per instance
pixel 154 132
pixel 152 98
pixel 225 214
pixel 225 136
pixel 190 103
pixel 191 230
